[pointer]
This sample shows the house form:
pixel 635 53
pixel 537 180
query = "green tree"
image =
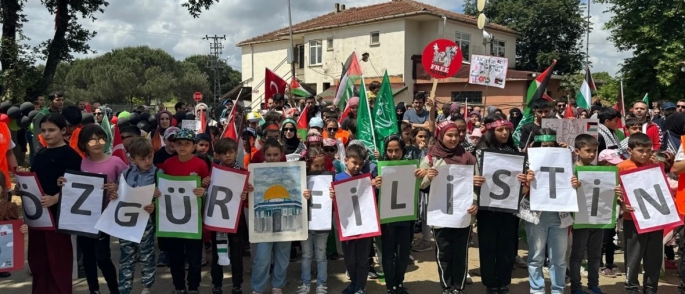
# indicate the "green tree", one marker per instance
pixel 229 77
pixel 550 29
pixel 193 80
pixel 655 32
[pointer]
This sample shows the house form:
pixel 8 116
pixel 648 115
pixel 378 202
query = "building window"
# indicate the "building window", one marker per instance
pixel 315 52
pixel 498 48
pixel 375 38
pixel 300 56
pixel 329 44
pixel 463 40
pixel 474 97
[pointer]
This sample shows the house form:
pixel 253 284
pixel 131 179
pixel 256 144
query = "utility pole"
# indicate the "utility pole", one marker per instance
pixel 292 57
pixel 215 51
pixel 587 40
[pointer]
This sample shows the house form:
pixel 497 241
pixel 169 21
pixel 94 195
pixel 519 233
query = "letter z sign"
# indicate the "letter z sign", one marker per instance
pixel 81 203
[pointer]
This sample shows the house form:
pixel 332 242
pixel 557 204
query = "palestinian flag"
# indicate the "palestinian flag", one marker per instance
pixel 350 75
pixel 297 89
pixel 536 90
pixel 620 107
pixel 584 97
pixel 303 124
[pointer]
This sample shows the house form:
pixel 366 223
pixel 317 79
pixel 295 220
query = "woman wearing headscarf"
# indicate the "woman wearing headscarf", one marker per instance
pixel 291 143
pixel 515 116
pixel 157 137
pixel 674 127
pixel 451 243
pixel 400 109
pixel 201 108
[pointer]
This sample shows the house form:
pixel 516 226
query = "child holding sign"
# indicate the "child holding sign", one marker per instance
pixel 316 242
pixel 396 237
pixel 546 229
pixel 49 252
pixel 452 244
pixel 587 240
pixel 646 248
pixel 266 252
pixel 182 250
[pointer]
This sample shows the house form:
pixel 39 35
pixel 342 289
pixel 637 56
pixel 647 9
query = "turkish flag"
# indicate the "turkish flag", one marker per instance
pixel 273 84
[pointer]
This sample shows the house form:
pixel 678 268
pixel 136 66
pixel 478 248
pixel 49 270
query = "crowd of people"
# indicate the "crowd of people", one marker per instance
pixel 457 135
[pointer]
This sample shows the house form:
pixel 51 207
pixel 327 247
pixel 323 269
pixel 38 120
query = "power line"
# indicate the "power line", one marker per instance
pixel 215 51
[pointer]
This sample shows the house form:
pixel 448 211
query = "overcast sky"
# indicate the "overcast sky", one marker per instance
pixel 165 24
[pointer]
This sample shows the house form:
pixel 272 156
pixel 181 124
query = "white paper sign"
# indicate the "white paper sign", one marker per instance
pixel 320 203
pixel 595 199
pixel 191 124
pixel 651 199
pixel 398 193
pixel 223 205
pixel 551 190
pixel 125 217
pixel 356 206
pixel 178 208
pixel 488 70
pixel 568 129
pixel 501 189
pixel 81 203
pixel 35 215
pixel 451 194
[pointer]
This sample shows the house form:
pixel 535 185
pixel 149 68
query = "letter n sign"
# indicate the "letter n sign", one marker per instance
pixel 652 199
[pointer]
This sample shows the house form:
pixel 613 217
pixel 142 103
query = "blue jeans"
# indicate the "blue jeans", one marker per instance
pixel 262 263
pixel 315 246
pixel 547 233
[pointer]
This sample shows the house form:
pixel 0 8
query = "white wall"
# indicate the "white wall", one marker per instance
pixel 477 39
pixel 265 55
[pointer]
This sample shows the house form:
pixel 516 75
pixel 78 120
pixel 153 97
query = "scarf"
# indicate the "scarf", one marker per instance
pixel 291 144
pixel 157 139
pixel 439 150
pixel 222 249
pixel 610 138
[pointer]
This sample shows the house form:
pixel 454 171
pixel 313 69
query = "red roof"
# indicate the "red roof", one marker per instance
pixel 372 13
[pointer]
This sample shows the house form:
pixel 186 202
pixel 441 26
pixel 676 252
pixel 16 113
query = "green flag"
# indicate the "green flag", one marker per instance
pixel 108 130
pixel 364 123
pixel 646 99
pixel 384 117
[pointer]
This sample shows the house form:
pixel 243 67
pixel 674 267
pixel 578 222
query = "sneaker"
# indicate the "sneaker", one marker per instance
pixel 670 264
pixel 616 271
pixel 162 260
pixel 411 260
pixel 373 274
pixel 276 291
pixel 455 291
pixel 401 290
pixel 595 290
pixel 607 272
pixel 334 256
pixel 360 291
pixel 349 289
pixel 422 246
pixel 203 262
pixel 217 291
pixel 491 291
pixel 347 274
pixel 520 263
pixel 391 291
pixel 237 290
pixel 503 290
pixel 303 289
pixel 5 275
pixel 321 289
pixel 469 281
pixel 447 291
pixel 145 291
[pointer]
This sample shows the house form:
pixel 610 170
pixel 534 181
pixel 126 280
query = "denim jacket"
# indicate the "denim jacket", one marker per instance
pixel 135 178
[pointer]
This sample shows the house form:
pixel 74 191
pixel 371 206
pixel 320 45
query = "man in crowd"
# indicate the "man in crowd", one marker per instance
pixel 649 128
pixel 680 106
pixel 609 120
pixel 56 103
pixel 417 116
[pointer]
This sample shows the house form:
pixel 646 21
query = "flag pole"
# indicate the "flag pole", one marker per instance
pixel 292 55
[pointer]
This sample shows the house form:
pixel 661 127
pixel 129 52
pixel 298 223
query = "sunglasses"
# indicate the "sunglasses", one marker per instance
pixel 94 142
pixel 329 149
pixel 203 110
pixel 289 129
pixel 680 106
pixel 98 113
pixel 332 129
pixel 561 105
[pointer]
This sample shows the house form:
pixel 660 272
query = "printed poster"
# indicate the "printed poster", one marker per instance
pixel 488 71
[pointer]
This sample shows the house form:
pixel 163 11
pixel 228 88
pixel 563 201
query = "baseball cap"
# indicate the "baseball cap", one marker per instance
pixel 611 156
pixel 250 132
pixel 185 134
pixel 170 131
pixel 668 105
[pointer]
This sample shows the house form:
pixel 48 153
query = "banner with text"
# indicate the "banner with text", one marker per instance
pixel 125 217
pixel 178 209
pixel 502 189
pixel 399 191
pixel 551 190
pixel 355 204
pixel 11 246
pixel 320 202
pixel 488 70
pixel 35 215
pixel 596 197
pixel 451 194
pixel 568 129
pixel 223 205
pixel 652 199
pixel 81 203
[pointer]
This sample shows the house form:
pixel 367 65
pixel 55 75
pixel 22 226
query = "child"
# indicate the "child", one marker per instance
pixel 159 158
pixel 203 144
pixel 141 173
pixel 181 250
pixel 633 126
pixel 541 110
pixel 546 229
pixel 225 151
pixel 316 242
pixel 49 252
pixel 646 247
pixel 91 142
pixel 330 149
pixel 356 251
pixel 586 240
pixel 128 133
pixel 266 252
pixel 395 237
pixel 451 243
pixel 497 230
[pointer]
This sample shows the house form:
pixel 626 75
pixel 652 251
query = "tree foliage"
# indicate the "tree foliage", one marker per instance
pixel 132 75
pixel 655 32
pixel 550 29
pixel 229 77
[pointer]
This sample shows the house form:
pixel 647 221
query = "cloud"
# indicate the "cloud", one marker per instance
pixel 165 24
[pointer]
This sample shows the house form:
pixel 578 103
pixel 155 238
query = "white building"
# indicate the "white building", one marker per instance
pixel 391 33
